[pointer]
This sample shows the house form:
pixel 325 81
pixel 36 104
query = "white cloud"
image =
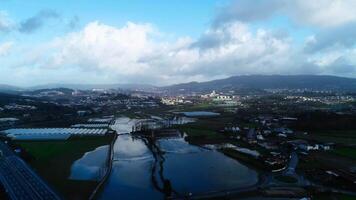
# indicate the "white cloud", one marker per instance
pixel 5 48
pixel 6 23
pixel 132 53
pixel 104 47
pixel 321 13
pixel 140 53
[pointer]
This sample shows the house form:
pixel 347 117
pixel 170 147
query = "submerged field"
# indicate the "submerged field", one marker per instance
pixel 53 160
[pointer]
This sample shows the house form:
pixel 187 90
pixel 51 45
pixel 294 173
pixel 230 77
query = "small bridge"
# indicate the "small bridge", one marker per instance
pixel 147 125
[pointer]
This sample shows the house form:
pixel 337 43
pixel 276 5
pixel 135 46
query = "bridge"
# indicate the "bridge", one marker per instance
pixel 18 179
pixel 152 124
pixel 148 125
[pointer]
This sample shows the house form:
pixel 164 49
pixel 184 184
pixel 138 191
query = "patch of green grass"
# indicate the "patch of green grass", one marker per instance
pixel 52 160
pixel 346 151
pixel 245 158
pixel 205 105
pixel 46 150
pixel 206 129
pixel 335 136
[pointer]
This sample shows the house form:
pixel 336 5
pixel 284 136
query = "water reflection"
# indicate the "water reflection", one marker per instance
pixel 177 145
pixel 92 166
pixel 130 148
pixel 200 114
pixel 147 168
pixel 131 174
pixel 193 170
pixel 123 125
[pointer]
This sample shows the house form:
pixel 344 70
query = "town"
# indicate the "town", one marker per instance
pixel 301 143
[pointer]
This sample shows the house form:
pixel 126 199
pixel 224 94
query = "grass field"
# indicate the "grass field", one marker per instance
pixel 244 158
pixel 52 160
pixel 341 137
pixel 205 130
pixel 349 152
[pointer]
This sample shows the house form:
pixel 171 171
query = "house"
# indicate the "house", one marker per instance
pixel 233 129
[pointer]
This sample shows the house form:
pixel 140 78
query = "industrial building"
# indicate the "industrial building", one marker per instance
pixel 51 133
pixel 90 126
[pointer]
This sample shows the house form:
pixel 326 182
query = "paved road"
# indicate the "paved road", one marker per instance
pixel 19 180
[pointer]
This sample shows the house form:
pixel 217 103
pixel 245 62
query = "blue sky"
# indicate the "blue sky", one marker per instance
pixel 163 42
pixel 175 16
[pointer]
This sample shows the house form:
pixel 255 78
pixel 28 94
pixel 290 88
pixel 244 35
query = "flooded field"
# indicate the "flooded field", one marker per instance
pixel 92 166
pixel 200 114
pixel 180 168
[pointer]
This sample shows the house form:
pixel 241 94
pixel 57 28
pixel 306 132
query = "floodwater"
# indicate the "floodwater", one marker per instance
pixel 92 166
pixel 188 169
pixel 200 114
pixel 194 170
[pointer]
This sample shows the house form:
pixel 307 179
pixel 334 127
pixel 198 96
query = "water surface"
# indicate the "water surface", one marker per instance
pixel 189 169
pixel 92 166
pixel 200 114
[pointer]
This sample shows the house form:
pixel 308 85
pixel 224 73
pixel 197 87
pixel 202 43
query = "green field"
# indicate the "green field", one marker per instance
pixel 335 136
pixel 52 160
pixel 349 152
pixel 205 130
pixel 244 158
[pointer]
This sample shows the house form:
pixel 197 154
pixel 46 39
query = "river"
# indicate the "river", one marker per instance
pixel 188 169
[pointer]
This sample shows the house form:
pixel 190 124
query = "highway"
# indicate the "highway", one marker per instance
pixel 19 180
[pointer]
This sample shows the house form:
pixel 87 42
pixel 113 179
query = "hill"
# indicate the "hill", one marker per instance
pixel 261 82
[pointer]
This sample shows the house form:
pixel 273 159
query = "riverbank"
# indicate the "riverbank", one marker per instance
pixel 109 164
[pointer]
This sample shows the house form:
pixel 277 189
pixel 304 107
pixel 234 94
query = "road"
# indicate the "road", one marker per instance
pixel 18 179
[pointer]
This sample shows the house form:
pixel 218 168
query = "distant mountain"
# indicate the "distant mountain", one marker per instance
pixel 246 84
pixel 93 86
pixel 261 82
pixel 9 89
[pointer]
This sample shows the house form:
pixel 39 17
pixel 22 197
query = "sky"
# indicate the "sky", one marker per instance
pixel 164 42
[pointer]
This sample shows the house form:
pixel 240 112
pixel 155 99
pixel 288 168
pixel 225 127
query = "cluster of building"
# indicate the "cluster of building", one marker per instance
pixel 111 100
pixel 170 101
pixel 94 127
pixel 222 99
pixel 273 135
pixel 214 97
pixel 15 106
pixel 329 100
